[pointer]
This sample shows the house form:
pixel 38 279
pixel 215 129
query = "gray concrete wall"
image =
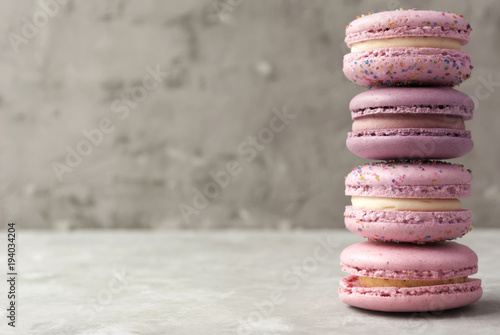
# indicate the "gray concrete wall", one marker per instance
pixel 232 65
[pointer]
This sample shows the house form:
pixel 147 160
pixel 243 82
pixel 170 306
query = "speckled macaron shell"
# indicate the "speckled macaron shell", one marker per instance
pixel 443 260
pixel 409 179
pixel 408 23
pixel 407 226
pixel 408 66
pixel 412 100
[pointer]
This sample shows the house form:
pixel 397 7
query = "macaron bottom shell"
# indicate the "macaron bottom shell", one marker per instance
pixel 407 66
pixel 412 144
pixel 409 299
pixel 408 226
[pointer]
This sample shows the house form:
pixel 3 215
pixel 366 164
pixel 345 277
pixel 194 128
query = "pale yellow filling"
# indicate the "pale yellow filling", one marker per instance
pixel 407 42
pixel 401 204
pixel 381 282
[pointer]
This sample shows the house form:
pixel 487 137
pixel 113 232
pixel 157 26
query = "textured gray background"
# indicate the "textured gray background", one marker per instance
pixel 230 64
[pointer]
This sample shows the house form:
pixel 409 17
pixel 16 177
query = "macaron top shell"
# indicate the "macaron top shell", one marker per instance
pixel 409 179
pixel 409 261
pixel 417 100
pixel 408 23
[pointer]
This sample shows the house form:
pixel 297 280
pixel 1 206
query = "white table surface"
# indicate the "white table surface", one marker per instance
pixel 219 282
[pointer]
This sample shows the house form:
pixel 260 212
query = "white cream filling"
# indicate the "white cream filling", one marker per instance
pixel 408 42
pixel 404 204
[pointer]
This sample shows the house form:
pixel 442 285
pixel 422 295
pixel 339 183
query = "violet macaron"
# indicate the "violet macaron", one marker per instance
pixel 410 122
pixel 409 278
pixel 408 47
pixel 408 201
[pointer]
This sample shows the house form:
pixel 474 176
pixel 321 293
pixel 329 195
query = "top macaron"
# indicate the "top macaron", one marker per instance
pixel 408 48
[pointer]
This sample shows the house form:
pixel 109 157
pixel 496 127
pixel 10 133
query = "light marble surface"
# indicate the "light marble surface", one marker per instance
pixel 187 282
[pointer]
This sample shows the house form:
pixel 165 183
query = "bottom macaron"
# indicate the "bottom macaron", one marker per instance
pixel 408 277
pixel 409 299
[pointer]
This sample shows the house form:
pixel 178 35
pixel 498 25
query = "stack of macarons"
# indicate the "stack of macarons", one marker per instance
pixel 406 204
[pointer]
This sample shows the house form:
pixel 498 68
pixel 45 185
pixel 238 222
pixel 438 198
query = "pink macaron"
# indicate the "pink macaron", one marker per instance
pixel 408 201
pixel 410 122
pixel 408 47
pixel 409 278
